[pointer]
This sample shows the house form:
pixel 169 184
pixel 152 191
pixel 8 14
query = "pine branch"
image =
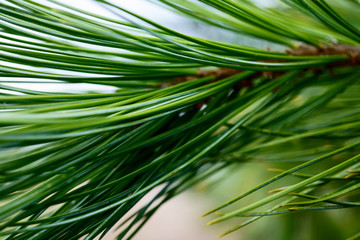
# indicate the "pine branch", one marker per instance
pixel 183 108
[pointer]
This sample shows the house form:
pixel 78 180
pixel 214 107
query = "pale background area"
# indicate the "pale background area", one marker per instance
pixel 179 219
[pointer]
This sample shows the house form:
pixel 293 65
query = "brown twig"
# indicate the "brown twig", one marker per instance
pixel 353 53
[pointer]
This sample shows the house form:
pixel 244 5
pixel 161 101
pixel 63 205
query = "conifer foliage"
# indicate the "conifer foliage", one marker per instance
pixel 73 163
